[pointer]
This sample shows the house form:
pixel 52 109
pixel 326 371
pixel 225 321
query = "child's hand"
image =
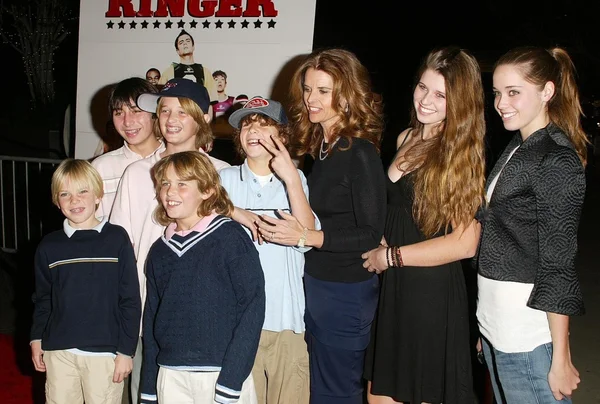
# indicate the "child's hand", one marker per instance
pixel 123 367
pixel 248 219
pixel 281 163
pixel 37 356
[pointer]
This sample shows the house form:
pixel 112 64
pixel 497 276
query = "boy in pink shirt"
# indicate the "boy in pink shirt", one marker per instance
pixel 183 120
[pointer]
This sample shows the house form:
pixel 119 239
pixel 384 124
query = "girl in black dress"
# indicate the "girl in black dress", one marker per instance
pixel 419 350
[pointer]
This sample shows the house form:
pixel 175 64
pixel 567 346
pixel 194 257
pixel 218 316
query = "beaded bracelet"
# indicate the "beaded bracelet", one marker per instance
pixel 399 260
pixel 387 257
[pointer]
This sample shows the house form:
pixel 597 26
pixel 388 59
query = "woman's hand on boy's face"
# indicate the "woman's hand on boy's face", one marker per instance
pixel 281 163
pixel 123 367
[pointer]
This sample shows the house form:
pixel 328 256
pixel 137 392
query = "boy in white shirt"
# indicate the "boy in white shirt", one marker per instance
pixel 184 122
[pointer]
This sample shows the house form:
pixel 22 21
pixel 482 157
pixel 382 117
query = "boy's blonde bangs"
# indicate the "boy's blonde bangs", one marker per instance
pixel 80 173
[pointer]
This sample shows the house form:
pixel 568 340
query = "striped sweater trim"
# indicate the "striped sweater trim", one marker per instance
pixel 226 395
pixel 83 260
pixel 181 248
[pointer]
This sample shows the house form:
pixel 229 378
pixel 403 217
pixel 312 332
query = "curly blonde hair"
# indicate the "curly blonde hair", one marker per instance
pixel 363 118
pixel 449 182
pixel 192 166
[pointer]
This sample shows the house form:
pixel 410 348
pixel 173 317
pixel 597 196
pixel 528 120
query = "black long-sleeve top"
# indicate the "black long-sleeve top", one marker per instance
pixel 348 194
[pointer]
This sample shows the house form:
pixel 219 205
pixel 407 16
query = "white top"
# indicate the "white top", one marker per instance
pixel 134 206
pixel 111 166
pixel 502 312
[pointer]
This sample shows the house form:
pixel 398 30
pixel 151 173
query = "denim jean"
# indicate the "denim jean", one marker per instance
pixel 522 377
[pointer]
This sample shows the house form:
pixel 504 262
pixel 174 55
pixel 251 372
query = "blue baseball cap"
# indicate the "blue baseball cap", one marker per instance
pixel 262 106
pixel 176 88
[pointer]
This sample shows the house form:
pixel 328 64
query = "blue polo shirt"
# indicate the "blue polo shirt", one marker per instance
pixel 283 266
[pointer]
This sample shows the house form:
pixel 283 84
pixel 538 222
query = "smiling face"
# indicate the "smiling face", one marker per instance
pixel 521 104
pixel 252 130
pixel 134 125
pixel 181 199
pixel 429 98
pixel 78 202
pixel 318 98
pixel 177 127
pixel 153 76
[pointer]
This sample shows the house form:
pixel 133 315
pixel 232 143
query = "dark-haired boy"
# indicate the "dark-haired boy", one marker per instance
pixel 267 181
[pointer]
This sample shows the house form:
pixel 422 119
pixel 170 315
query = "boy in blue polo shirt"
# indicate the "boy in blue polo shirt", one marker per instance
pixel 268 181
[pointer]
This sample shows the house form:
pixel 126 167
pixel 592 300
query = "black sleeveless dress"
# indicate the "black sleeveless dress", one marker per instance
pixel 419 349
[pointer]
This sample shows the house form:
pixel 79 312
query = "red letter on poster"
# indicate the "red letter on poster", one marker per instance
pixel 268 8
pixel 207 9
pixel 114 7
pixel 229 8
pixel 145 8
pixel 175 8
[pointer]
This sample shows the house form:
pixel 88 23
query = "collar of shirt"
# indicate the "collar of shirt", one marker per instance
pixel 130 154
pixel 246 173
pixel 198 227
pixel 69 230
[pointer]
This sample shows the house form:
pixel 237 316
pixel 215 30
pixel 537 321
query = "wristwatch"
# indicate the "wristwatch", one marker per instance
pixel 302 240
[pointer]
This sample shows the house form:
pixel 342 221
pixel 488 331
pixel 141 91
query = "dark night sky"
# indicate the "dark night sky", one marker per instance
pixel 391 37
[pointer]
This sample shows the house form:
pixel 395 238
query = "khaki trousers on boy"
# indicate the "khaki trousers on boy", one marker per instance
pixel 73 379
pixel 281 371
pixel 183 387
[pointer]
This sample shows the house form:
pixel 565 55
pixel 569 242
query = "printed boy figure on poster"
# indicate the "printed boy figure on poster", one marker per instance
pixel 187 68
pixel 224 101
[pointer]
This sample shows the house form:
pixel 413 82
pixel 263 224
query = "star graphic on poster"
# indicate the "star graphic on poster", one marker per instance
pixel 168 24
pixel 219 24
pixel 231 24
pixel 109 25
pixel 257 24
pixel 180 24
pixel 205 24
pixel 144 24
pixel 156 24
pixel 132 25
pixel 245 24
pixel 193 24
pixel 271 24
pixel 121 25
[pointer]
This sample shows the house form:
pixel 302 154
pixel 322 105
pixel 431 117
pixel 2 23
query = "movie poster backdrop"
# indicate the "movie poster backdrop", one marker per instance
pixel 244 44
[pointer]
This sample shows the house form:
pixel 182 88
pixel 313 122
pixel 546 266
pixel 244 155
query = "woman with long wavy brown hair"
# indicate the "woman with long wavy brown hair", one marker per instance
pixel 338 119
pixel 419 350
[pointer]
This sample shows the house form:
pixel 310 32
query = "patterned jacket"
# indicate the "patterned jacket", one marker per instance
pixel 530 225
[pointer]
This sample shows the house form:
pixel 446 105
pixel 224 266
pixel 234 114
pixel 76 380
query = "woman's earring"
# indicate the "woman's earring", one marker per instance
pixel 347 108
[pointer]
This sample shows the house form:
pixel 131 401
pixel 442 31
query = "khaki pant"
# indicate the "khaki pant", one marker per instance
pixel 73 379
pixel 183 387
pixel 131 391
pixel 280 371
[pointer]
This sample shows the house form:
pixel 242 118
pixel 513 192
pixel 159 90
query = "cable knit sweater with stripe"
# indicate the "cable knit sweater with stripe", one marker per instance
pixel 205 307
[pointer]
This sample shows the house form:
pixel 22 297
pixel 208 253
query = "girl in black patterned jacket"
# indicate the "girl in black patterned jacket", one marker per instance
pixel 527 282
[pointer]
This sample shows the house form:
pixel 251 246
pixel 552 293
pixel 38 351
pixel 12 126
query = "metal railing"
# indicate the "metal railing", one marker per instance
pixel 26 210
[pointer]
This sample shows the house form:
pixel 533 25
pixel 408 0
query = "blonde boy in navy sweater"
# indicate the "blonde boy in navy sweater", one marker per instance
pixel 87 299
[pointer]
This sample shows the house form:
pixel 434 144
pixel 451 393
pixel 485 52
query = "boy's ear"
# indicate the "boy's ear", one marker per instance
pixel 207 118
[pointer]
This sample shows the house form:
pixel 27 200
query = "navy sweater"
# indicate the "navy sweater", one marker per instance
pixel 205 307
pixel 87 293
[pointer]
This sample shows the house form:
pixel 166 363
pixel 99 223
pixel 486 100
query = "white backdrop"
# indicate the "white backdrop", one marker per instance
pixel 251 49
